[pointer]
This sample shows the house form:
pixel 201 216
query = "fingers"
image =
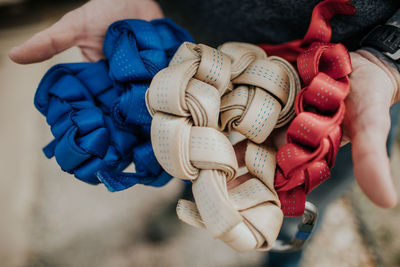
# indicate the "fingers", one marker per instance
pixel 277 137
pixel 239 180
pixel 240 151
pixel 45 44
pixel 92 53
pixel 149 10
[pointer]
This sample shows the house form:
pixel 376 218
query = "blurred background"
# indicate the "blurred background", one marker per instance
pixel 47 218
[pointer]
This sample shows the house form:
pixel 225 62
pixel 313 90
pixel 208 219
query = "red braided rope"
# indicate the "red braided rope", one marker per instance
pixel 314 135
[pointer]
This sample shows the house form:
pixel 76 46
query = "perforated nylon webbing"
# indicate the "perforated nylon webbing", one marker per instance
pixel 314 135
pixel 255 94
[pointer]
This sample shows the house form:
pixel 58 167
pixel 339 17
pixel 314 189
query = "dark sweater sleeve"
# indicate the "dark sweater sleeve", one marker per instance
pixel 274 21
pixel 394 21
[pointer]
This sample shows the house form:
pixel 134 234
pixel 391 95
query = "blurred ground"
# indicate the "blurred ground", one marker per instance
pixel 47 218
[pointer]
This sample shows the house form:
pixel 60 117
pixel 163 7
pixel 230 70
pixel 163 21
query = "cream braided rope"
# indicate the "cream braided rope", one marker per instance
pixel 203 93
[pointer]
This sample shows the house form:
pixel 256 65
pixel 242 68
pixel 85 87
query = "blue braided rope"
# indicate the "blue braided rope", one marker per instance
pixel 97 111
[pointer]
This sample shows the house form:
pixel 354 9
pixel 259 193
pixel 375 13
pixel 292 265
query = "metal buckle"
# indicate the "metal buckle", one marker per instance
pixel 395 56
pixel 385 38
pixel 304 231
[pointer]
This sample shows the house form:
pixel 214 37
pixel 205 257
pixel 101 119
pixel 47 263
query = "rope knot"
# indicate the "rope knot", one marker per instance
pixel 138 49
pixel 185 102
pixel 263 94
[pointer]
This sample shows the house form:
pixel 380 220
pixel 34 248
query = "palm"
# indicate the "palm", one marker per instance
pixel 84 27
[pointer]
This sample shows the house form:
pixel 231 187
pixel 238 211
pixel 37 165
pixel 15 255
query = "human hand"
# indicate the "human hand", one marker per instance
pixel 84 27
pixel 374 88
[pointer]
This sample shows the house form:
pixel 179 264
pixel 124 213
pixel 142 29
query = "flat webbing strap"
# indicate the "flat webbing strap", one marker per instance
pixel 314 135
pixel 185 100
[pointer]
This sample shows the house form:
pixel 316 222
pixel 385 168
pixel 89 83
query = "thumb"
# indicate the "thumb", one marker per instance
pixel 371 162
pixel 45 44
pixel 367 122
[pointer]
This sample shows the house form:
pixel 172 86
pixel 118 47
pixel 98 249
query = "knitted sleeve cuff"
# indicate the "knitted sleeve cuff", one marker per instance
pixel 393 21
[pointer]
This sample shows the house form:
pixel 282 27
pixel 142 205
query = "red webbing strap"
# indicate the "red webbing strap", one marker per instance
pixel 314 135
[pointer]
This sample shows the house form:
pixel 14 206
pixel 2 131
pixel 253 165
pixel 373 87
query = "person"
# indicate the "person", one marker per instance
pixel 375 79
